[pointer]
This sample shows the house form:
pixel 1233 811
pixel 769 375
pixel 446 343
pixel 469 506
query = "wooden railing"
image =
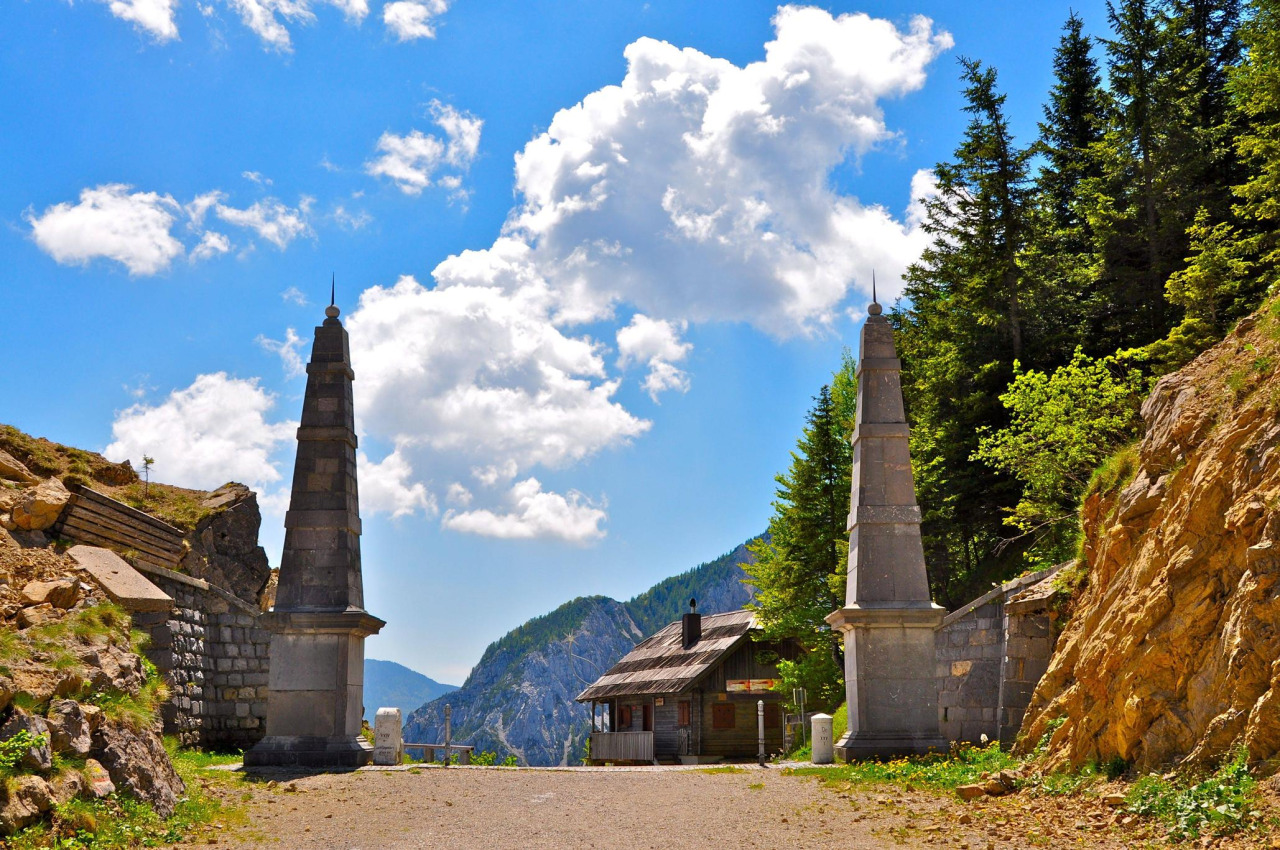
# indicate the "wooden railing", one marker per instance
pixel 429 752
pixel 621 746
pixel 98 520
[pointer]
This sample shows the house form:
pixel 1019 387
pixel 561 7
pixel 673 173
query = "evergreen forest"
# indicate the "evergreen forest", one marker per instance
pixel 1065 274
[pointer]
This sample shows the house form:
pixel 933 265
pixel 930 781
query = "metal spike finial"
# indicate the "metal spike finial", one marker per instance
pixel 875 309
pixel 332 310
pixel 873 286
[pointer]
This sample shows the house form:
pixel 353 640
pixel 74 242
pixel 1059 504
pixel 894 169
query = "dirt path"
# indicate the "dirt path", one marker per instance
pixel 494 809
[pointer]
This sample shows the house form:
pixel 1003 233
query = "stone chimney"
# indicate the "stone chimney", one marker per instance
pixel 319 623
pixel 691 626
pixel 889 619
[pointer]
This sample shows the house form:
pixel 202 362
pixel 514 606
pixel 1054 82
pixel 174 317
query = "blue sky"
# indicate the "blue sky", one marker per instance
pixel 595 258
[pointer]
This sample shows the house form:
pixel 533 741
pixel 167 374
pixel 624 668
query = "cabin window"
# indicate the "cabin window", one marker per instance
pixel 722 716
pixel 682 713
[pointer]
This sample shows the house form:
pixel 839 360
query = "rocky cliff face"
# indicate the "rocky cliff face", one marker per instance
pixel 224 544
pixel 74 685
pixel 519 700
pixel 1172 653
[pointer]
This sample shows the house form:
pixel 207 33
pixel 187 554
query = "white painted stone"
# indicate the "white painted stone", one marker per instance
pixel 388 745
pixel 823 740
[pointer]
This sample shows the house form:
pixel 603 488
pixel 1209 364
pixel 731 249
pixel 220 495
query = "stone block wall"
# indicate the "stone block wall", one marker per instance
pixel 216 659
pixel 990 655
pixel 969 648
pixel 1029 643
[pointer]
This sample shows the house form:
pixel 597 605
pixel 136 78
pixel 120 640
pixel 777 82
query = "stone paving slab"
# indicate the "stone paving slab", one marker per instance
pixel 127 587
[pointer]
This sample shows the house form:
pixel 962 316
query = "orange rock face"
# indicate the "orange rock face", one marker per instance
pixel 1172 654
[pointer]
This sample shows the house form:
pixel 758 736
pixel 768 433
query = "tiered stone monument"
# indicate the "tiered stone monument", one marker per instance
pixel 319 623
pixel 889 619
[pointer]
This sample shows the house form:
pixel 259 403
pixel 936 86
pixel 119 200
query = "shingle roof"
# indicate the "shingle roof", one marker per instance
pixel 660 665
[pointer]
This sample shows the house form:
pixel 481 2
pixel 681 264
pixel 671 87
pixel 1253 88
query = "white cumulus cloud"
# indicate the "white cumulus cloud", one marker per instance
pixel 268 18
pixel 385 487
pixel 288 350
pixel 413 19
pixel 154 17
pixel 136 229
pixel 111 222
pixel 534 514
pixel 412 161
pixel 211 244
pixel 482 376
pixel 656 343
pixel 272 220
pixel 700 190
pixel 214 431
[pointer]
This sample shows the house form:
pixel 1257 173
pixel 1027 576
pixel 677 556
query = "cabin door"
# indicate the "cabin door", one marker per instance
pixel 648 717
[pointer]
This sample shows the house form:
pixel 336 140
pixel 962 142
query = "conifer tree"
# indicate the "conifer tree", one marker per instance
pixel 1255 90
pixel 799 572
pixel 959 336
pixel 1067 304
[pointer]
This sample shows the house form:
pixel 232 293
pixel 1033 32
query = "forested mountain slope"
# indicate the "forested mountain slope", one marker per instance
pixel 518 700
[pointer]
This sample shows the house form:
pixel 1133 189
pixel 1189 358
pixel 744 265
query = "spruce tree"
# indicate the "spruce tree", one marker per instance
pixel 1067 304
pixel 799 572
pixel 959 334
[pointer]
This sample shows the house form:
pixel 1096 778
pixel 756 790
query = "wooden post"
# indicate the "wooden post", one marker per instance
pixel 448 731
pixel 760 727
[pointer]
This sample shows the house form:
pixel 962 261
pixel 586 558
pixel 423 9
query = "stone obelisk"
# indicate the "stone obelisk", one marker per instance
pixel 889 619
pixel 319 623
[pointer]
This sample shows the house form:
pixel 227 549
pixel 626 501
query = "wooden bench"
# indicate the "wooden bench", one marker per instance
pixel 429 751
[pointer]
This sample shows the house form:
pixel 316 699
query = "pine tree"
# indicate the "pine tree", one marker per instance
pixel 1067 303
pixel 1255 90
pixel 799 572
pixel 959 335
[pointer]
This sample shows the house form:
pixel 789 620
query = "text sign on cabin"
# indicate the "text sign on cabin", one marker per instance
pixel 749 686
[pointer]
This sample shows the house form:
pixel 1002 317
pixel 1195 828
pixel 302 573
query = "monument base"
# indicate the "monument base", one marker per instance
pixel 307 751
pixel 860 746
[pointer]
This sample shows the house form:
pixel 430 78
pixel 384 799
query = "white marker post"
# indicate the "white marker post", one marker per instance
pixel 823 745
pixel 760 726
pixel 388 745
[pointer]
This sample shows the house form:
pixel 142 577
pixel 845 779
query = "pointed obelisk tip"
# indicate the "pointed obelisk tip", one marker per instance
pixel 332 310
pixel 874 309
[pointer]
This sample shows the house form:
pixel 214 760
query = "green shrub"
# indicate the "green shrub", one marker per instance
pixel 941 771
pixel 1220 804
pixel 12 750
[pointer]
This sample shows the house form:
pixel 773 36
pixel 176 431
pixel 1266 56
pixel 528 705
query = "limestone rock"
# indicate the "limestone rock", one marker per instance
pixel 39 756
pixel 68 728
pixel 971 792
pixel 40 506
pixel 98 782
pixel 224 544
pixel 1171 654
pixel 67 785
pixel 61 593
pixel 13 469
pixel 139 765
pixel 25 799
pixel 36 615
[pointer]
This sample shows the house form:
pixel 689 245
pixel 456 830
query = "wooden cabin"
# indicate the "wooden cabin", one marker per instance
pixel 690 693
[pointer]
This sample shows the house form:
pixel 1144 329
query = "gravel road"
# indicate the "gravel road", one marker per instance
pixel 495 809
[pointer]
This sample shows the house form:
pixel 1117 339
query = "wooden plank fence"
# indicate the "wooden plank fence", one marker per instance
pixel 99 520
pixel 622 746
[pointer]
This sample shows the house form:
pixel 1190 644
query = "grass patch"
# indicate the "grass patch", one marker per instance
pixel 728 768
pixel 180 508
pixel 1222 803
pixel 940 771
pixel 1115 472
